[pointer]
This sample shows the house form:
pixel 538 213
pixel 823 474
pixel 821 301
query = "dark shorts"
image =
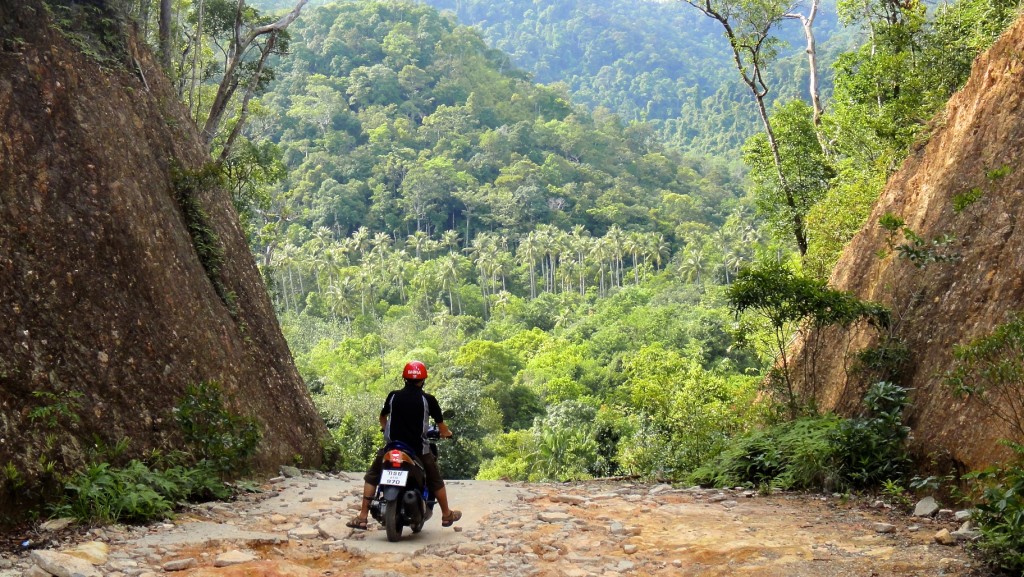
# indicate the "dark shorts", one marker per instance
pixel 434 481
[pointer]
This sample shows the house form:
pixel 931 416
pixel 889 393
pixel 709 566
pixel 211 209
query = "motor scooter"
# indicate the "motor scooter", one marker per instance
pixel 402 498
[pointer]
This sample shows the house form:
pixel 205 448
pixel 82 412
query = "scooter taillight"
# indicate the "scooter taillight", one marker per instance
pixel 396 458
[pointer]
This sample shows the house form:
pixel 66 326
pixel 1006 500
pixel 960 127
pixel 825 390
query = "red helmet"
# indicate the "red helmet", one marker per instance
pixel 414 370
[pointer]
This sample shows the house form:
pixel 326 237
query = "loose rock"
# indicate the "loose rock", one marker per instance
pixel 884 528
pixel 944 537
pixel 63 565
pixel 926 507
pixel 233 558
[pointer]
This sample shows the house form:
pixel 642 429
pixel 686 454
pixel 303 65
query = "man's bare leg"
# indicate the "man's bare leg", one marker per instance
pixel 446 513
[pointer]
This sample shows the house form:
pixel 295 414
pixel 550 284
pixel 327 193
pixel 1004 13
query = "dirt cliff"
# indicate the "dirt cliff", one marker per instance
pixel 966 180
pixel 107 310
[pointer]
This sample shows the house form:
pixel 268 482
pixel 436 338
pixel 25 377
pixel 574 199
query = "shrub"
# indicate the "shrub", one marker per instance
pixel 825 452
pixel 1000 514
pixel 792 455
pixel 990 370
pixel 135 493
pixel 870 450
pixel 217 437
pixel 786 300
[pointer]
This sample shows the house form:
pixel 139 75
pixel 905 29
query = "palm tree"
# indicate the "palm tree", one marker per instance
pixel 693 264
pixel 361 240
pixel 580 244
pixel 484 253
pixel 450 239
pixel 544 241
pixel 616 240
pixel 633 244
pixel 732 262
pixel 417 241
pixel 600 251
pixel 381 243
pixel 529 249
pixel 449 279
pixel 658 249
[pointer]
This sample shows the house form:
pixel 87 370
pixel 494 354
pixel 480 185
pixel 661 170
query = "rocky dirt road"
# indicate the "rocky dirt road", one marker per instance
pixel 295 527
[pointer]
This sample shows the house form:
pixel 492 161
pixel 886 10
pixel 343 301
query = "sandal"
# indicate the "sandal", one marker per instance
pixel 357 523
pixel 451 518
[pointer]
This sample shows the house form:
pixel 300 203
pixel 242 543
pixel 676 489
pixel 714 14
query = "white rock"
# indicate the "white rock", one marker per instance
pixel 234 557
pixel 629 548
pixel 180 564
pixel 57 524
pixel 303 533
pixel 470 549
pixel 552 517
pixel 570 499
pixel 93 552
pixel 962 515
pixel 926 507
pixel 63 565
pixel 884 528
pixel 333 528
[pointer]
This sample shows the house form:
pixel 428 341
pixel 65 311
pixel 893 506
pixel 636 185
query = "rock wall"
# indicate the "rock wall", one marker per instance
pixel 976 145
pixel 106 312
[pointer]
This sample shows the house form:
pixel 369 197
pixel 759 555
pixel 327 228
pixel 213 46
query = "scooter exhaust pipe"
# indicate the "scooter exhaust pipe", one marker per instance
pixel 410 497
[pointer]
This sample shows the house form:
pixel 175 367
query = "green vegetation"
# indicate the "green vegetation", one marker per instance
pixel 188 187
pixel 787 302
pixel 97 30
pixel 218 442
pixel 216 437
pixel 990 371
pixel 135 493
pixel 1000 513
pixel 821 452
pixel 658 62
pixel 583 292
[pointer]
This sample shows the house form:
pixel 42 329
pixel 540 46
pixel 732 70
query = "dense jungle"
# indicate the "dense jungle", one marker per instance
pixel 607 228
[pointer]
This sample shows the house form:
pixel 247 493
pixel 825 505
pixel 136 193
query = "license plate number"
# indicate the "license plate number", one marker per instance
pixel 393 477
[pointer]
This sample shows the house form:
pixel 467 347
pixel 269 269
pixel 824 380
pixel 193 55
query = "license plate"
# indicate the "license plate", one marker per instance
pixel 393 477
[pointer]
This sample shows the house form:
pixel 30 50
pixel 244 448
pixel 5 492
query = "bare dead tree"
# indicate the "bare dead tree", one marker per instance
pixel 748 26
pixel 807 22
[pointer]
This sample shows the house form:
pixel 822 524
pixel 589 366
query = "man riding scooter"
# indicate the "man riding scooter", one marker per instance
pixel 405 418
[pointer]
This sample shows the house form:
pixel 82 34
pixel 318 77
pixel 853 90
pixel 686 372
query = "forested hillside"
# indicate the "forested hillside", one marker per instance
pixel 589 300
pixel 438 204
pixel 569 279
pixel 661 62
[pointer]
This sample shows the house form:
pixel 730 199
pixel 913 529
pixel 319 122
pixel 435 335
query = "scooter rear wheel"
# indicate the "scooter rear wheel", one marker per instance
pixel 393 521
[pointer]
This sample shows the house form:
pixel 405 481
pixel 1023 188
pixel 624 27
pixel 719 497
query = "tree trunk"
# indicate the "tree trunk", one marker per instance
pixel 798 221
pixel 239 46
pixel 164 33
pixel 807 22
pixel 250 91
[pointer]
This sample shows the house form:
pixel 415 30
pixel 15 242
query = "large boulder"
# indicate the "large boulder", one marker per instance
pixel 973 151
pixel 108 311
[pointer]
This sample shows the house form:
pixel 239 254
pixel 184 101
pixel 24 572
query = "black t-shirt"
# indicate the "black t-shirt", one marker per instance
pixel 409 411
